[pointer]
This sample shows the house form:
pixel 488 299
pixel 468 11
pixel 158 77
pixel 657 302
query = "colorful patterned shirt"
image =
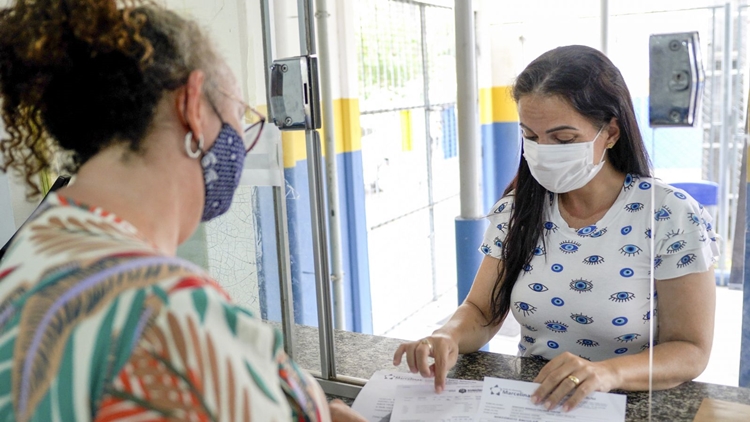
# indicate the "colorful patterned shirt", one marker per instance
pixel 97 325
pixel 587 291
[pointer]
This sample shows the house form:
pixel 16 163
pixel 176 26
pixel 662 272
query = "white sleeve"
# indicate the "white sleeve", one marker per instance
pixel 684 239
pixel 494 236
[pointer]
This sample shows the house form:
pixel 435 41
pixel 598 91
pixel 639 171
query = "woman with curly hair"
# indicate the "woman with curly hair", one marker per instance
pixel 99 321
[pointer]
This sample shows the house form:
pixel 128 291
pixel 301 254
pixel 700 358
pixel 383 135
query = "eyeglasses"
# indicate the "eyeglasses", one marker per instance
pixel 254 122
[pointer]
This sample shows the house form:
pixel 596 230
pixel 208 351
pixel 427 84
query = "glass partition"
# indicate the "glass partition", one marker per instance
pixel 394 111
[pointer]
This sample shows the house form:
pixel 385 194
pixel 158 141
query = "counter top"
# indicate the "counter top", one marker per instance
pixel 360 355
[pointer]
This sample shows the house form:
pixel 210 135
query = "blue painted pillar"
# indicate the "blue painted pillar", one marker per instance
pixel 469 234
pixel 745 344
pixel 501 142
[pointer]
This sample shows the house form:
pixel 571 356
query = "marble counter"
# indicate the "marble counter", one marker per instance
pixel 360 355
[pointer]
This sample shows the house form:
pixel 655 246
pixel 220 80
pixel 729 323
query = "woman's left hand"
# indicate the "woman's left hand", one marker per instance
pixel 570 374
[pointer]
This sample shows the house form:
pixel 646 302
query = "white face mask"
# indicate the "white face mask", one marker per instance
pixel 562 168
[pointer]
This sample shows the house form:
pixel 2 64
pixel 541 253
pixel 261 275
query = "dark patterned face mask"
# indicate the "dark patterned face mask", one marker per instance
pixel 222 167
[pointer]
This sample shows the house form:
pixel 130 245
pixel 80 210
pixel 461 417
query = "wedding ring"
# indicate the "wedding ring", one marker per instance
pixel 574 379
pixel 427 342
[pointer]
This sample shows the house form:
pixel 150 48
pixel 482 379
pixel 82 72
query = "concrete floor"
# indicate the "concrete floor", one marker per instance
pixel 723 366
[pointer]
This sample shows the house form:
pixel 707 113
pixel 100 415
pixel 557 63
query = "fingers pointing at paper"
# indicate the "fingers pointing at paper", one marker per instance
pixel 442 348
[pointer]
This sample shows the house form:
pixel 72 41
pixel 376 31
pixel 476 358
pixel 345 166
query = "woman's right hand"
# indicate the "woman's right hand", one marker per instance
pixel 441 347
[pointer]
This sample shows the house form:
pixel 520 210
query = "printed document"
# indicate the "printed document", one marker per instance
pixel 375 400
pixel 507 400
pixel 417 403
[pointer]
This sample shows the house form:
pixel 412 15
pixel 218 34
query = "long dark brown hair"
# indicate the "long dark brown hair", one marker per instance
pixel 588 81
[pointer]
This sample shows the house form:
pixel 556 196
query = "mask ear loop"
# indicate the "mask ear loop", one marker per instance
pixel 189 145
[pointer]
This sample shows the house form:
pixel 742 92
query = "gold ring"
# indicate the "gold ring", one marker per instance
pixel 427 342
pixel 575 379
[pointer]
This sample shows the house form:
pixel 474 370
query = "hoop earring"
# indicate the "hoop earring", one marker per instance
pixel 188 145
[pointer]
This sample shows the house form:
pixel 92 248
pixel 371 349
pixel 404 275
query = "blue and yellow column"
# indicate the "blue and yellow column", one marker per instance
pixel 501 141
pixel 744 380
pixel 348 138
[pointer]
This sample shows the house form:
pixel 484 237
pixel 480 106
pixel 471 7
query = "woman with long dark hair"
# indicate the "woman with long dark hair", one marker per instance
pixel 572 245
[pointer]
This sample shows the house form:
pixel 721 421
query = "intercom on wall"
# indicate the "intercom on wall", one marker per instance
pixel 295 94
pixel 676 79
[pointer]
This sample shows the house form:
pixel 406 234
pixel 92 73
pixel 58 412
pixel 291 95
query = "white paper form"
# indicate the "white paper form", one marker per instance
pixel 420 403
pixel 507 400
pixel 375 400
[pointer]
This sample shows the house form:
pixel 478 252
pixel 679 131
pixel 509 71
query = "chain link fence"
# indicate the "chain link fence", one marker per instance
pixel 409 153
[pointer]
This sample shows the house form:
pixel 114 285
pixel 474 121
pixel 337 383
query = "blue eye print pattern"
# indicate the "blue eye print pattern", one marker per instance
pixel 528 339
pixel 668 190
pixel 619 321
pixel 501 208
pixel 521 347
pixel 686 260
pixel 498 242
pixel 581 285
pixel 621 350
pixel 630 250
pixel 627 272
pixel 644 186
pixel 486 249
pixel 633 207
pixel 557 301
pixel 529 327
pixel 599 233
pixel 582 319
pixel 663 214
pixel 658 261
pixel 694 219
pixel 586 231
pixel 556 268
pixel 556 326
pixel 552 345
pixel 593 260
pixel 502 227
pixel 676 246
pixel 539 251
pixel 673 233
pixel 584 357
pixel 538 287
pixel 629 182
pixel 525 308
pixel 527 268
pixel 620 297
pixel 647 317
pixel 569 246
pixel 680 195
pixel 626 338
pixel 550 227
pixel 587 343
pixel 625 230
pixel 647 233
